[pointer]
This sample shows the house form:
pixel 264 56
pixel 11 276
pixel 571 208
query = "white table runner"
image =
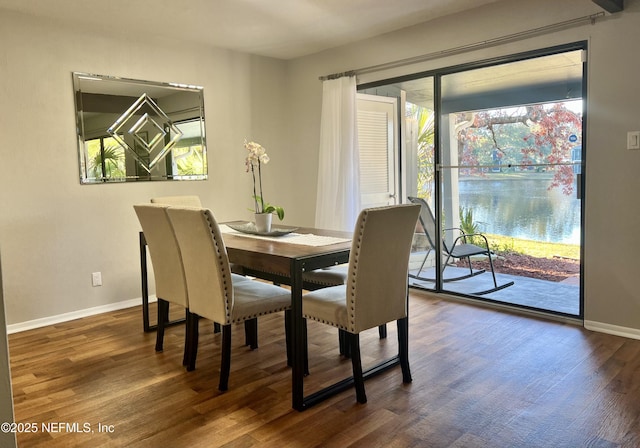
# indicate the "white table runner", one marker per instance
pixel 303 239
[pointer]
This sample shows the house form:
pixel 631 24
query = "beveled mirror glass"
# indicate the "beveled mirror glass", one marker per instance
pixel 131 130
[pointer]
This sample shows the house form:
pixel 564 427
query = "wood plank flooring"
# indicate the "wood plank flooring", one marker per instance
pixel 481 378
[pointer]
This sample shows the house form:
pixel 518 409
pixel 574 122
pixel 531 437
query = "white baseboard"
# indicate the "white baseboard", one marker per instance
pixel 59 318
pixel 633 333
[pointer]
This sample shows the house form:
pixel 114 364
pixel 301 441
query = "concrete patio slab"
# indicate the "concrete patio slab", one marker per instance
pixel 561 297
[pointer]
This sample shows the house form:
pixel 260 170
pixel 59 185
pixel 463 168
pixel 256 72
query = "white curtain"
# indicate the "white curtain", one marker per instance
pixel 338 197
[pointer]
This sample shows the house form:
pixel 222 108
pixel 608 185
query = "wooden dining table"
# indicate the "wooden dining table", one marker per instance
pixel 284 260
pixel 281 261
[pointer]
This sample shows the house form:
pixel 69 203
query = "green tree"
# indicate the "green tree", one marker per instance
pixel 424 119
pixel 107 163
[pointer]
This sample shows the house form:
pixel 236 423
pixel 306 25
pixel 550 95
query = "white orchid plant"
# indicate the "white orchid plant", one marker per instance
pixel 256 157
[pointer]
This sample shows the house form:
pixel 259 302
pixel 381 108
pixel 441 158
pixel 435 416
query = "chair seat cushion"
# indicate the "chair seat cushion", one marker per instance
pixel 237 278
pixel 254 298
pixel 466 250
pixel 333 276
pixel 328 305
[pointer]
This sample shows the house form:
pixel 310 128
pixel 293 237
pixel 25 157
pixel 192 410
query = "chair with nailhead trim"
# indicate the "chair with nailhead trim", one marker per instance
pixel 178 201
pixel 188 201
pixel 334 276
pixel 167 266
pixel 250 326
pixel 213 294
pixel 376 291
pixel 168 269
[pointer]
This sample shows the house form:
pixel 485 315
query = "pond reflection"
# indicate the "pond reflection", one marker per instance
pixel 522 208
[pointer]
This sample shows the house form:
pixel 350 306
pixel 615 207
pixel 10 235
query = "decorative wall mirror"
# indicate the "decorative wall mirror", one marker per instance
pixel 131 130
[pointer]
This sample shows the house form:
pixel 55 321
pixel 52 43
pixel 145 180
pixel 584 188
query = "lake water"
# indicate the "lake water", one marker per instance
pixel 522 208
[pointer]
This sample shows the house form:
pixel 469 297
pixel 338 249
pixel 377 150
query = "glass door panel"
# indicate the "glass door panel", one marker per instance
pixel 416 164
pixel 419 148
pixel 509 173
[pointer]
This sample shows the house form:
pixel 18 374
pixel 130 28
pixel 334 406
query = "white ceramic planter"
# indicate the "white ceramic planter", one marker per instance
pixel 263 222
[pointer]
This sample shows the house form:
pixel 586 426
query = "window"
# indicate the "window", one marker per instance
pixel 188 160
pixel 105 159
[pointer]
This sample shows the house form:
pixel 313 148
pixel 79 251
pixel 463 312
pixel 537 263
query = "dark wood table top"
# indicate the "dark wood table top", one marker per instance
pixel 275 256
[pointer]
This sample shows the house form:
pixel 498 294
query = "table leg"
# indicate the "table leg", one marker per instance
pixel 299 336
pixel 145 283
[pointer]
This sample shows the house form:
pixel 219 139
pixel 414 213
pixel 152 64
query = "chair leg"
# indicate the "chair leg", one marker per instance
pixel 343 343
pixel 225 364
pixel 251 333
pixel 216 327
pixel 187 338
pixel 493 273
pixel 469 264
pixel 194 330
pixel 403 352
pixel 163 317
pixel 356 364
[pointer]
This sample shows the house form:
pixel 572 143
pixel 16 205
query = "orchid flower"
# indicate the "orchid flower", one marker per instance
pixel 255 159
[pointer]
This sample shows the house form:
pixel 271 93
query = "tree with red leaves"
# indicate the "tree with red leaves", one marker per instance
pixel 522 136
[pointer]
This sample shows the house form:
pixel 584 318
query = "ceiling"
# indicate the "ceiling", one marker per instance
pixel 283 29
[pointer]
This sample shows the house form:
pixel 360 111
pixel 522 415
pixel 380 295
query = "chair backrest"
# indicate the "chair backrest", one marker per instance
pixel 379 265
pixel 427 221
pixel 206 264
pixel 178 201
pixel 165 254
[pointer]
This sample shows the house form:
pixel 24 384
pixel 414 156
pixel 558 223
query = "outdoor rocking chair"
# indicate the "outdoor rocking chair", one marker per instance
pixel 461 249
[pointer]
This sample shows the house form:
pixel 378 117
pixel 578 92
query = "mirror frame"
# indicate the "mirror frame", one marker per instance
pixel 138 130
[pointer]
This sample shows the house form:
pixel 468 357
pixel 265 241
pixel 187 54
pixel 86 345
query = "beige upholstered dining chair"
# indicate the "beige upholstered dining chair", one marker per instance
pixel 321 278
pixel 168 268
pixel 334 276
pixel 187 201
pixel 251 327
pixel 178 201
pixel 166 259
pixel 212 292
pixel 376 290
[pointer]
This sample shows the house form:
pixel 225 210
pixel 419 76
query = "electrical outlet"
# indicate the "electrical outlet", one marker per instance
pixel 96 278
pixel 633 140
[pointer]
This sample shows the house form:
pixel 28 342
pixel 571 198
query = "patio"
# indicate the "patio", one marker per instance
pixel 562 297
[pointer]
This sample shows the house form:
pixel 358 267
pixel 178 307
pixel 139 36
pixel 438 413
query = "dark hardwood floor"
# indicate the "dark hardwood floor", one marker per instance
pixel 481 378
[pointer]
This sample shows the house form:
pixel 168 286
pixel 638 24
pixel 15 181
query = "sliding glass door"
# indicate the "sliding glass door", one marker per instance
pixel 510 165
pixel 495 151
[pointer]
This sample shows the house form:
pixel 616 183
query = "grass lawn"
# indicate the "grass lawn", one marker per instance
pixel 499 243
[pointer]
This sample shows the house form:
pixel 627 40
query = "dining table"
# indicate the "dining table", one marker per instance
pixel 283 257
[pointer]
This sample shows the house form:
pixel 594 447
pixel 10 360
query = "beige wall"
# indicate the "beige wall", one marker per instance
pixel 55 232
pixel 7 439
pixel 612 295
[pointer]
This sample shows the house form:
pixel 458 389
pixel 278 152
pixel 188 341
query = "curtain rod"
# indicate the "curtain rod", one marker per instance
pixel 468 47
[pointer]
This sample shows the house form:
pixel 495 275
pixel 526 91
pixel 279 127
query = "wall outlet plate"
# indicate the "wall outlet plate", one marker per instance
pixel 633 140
pixel 96 279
